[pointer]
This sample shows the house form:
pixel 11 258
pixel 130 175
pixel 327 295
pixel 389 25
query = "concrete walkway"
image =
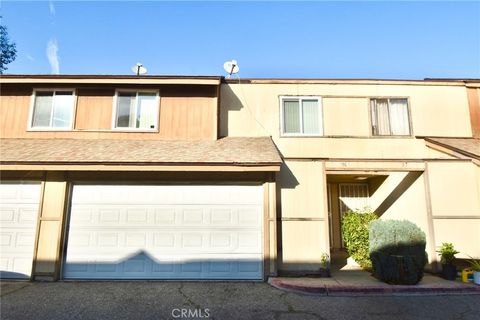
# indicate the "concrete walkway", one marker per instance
pixel 359 282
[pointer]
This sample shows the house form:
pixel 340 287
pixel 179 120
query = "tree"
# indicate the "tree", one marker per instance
pixel 8 49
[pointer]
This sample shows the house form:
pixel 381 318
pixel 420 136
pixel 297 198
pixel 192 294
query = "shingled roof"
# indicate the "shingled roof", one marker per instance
pixel 469 147
pixel 226 151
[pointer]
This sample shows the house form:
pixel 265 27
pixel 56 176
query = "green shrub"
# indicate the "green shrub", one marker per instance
pixel 447 253
pixel 355 235
pixel 397 251
pixel 475 263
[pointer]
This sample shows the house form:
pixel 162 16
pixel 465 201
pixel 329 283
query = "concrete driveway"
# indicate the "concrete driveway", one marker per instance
pixel 214 300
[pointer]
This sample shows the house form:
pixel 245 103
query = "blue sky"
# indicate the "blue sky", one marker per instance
pixel 392 40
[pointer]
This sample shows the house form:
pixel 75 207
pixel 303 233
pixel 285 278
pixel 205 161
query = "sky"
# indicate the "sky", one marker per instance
pixel 270 39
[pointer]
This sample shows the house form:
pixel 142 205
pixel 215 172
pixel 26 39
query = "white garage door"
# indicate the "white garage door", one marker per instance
pixel 165 232
pixel 19 203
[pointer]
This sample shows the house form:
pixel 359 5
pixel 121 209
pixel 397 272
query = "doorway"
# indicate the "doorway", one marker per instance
pixel 344 193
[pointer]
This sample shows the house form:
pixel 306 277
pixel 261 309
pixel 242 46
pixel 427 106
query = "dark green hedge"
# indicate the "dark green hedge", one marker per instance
pixel 355 235
pixel 397 251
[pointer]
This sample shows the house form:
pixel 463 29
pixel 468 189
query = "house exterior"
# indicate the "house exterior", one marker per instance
pixel 164 177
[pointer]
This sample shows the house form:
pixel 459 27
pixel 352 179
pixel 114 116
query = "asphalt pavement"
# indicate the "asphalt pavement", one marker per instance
pixel 215 300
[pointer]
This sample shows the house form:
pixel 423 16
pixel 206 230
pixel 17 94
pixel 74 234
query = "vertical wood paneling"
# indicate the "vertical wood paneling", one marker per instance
pixel 181 117
pixel 94 111
pixel 47 255
pixel 14 115
pixel 474 107
pixel 187 117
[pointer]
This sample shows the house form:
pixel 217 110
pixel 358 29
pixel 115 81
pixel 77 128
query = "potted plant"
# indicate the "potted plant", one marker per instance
pixel 447 256
pixel 475 263
pixel 325 263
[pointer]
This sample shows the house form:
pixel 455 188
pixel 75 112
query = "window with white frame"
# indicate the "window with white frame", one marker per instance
pixel 301 116
pixel 52 109
pixel 136 110
pixel 390 117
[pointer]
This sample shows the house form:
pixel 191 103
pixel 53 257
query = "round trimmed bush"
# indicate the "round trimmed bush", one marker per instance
pixel 397 251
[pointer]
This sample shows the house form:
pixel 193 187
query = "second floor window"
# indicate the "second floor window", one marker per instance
pixel 301 116
pixel 390 117
pixel 137 110
pixel 53 109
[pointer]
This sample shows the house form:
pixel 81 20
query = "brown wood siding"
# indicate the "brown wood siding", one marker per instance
pixel 474 106
pixel 94 109
pixel 14 109
pixel 186 112
pixel 187 118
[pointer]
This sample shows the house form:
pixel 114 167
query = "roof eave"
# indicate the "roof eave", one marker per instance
pixel 110 79
pixel 132 166
pixel 451 150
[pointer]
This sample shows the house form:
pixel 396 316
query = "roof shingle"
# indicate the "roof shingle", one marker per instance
pixel 230 151
pixel 469 147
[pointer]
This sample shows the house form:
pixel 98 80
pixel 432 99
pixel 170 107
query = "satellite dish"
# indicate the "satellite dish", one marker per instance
pixel 231 67
pixel 139 69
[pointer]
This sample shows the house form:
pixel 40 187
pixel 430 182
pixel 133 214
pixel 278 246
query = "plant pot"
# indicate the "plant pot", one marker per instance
pixel 449 271
pixel 324 273
pixel 476 277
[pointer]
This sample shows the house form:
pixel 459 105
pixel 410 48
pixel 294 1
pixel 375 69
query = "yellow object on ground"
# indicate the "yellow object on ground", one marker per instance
pixel 467 275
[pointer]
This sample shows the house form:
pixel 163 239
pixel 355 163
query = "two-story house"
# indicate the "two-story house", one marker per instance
pixel 164 177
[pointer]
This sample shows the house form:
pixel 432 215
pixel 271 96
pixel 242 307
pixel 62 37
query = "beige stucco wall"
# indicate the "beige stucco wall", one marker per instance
pixel 338 119
pixel 409 204
pixel 354 148
pixel 301 206
pixel 303 243
pixel 301 190
pixel 463 233
pixel 454 189
pixel 455 194
pixel 253 109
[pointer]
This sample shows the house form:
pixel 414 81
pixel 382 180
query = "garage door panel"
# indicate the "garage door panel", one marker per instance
pixel 165 232
pixel 166 215
pixel 175 194
pixel 6 240
pixel 109 217
pixel 135 240
pixel 165 268
pixel 81 239
pixel 23 193
pixel 22 216
pixel 108 240
pixel 19 204
pixel 165 241
pixel 7 215
pixel 17 267
pixel 143 266
pixel 23 241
